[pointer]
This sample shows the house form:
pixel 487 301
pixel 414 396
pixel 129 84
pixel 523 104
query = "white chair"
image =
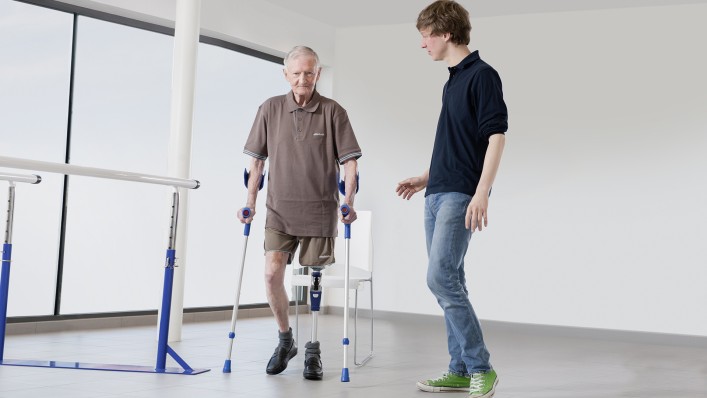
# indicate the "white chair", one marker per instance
pixel 360 271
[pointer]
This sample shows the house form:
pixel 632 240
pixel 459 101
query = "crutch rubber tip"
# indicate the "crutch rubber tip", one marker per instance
pixel 345 375
pixel 227 366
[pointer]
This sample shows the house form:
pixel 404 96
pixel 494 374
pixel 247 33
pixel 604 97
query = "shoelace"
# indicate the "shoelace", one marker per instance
pixel 441 378
pixel 476 385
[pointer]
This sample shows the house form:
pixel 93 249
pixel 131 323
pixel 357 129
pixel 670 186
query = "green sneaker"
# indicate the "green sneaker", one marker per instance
pixel 448 382
pixel 483 385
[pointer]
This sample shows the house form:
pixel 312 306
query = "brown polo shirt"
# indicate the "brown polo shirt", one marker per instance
pixel 305 147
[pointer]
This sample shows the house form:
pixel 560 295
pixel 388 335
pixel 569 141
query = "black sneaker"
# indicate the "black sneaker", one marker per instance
pixel 313 362
pixel 285 350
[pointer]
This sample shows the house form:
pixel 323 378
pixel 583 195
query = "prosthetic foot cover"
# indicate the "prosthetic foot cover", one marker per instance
pixel 285 350
pixel 313 362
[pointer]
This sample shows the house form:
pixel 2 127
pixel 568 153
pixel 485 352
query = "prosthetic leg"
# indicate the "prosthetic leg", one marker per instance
pixel 312 355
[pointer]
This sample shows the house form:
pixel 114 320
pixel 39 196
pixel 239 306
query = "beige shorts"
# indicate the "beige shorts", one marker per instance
pixel 314 252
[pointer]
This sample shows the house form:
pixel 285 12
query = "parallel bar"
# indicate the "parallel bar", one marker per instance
pixel 29 178
pixel 67 169
pixel 70 169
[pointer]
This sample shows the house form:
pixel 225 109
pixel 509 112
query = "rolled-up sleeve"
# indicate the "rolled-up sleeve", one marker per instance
pixel 492 113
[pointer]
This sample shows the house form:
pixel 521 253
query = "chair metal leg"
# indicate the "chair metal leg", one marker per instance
pixel 297 292
pixel 370 354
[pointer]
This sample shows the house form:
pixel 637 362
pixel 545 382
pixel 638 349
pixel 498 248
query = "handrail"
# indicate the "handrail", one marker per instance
pixel 63 168
pixel 29 178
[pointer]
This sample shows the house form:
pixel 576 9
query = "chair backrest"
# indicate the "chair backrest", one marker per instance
pixel 361 242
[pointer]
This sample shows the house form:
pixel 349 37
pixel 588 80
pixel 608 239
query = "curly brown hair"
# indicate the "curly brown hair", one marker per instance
pixel 446 16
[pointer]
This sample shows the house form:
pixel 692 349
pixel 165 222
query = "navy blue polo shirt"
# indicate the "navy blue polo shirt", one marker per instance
pixel 472 110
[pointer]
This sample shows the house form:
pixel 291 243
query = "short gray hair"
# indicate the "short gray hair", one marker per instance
pixel 300 51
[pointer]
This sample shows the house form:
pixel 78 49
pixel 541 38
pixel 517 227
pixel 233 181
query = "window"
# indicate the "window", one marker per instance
pixel 115 231
pixel 34 97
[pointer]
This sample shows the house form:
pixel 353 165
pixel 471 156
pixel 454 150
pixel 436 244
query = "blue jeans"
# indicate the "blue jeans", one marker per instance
pixel 447 242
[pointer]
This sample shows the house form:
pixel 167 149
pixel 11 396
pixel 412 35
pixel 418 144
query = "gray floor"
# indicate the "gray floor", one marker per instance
pixel 529 364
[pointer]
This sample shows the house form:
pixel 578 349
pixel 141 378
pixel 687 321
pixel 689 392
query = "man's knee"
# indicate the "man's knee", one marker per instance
pixel 434 281
pixel 272 279
pixel 440 283
pixel 275 263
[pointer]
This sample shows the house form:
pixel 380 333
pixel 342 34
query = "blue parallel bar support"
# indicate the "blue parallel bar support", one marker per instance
pixel 179 360
pixel 4 293
pixel 162 347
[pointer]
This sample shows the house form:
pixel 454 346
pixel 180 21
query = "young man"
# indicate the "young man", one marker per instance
pixel 466 154
pixel 305 137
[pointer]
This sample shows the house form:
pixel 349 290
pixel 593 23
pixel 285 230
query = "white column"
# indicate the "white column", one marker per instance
pixel 186 40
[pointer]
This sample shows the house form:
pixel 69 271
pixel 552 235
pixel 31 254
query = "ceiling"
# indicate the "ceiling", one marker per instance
pixel 350 13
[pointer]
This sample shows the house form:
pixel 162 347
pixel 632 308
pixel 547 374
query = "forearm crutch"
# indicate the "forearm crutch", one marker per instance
pixel 246 232
pixel 347 236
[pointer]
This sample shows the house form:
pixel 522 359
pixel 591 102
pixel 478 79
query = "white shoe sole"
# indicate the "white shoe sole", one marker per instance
pixel 426 388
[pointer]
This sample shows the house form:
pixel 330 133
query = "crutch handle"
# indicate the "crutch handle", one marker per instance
pixel 246 215
pixel 345 210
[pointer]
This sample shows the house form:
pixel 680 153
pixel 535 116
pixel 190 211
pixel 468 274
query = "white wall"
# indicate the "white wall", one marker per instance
pixel 597 216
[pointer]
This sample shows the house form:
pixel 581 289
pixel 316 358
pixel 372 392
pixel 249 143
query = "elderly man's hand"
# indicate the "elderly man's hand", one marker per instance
pixel 250 216
pixel 351 217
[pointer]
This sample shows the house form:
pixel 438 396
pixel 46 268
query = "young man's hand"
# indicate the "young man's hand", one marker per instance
pixel 477 213
pixel 411 186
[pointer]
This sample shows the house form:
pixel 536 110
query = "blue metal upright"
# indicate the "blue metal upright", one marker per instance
pixel 5 273
pixel 163 347
pixel 4 289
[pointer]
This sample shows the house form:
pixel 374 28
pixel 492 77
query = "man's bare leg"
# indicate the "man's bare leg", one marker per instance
pixel 275 265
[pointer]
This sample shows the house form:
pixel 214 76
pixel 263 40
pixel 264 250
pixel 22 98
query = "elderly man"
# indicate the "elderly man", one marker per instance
pixel 305 137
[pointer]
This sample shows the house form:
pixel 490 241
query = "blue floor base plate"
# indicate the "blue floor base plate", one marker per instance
pixel 100 366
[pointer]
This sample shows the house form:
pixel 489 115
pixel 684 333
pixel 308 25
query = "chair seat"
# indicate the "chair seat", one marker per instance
pixel 333 276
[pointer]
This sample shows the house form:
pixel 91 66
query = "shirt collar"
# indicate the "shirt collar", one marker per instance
pixel 311 106
pixel 465 63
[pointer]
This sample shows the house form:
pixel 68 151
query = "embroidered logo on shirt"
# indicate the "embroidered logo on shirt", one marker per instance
pixel 318 134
